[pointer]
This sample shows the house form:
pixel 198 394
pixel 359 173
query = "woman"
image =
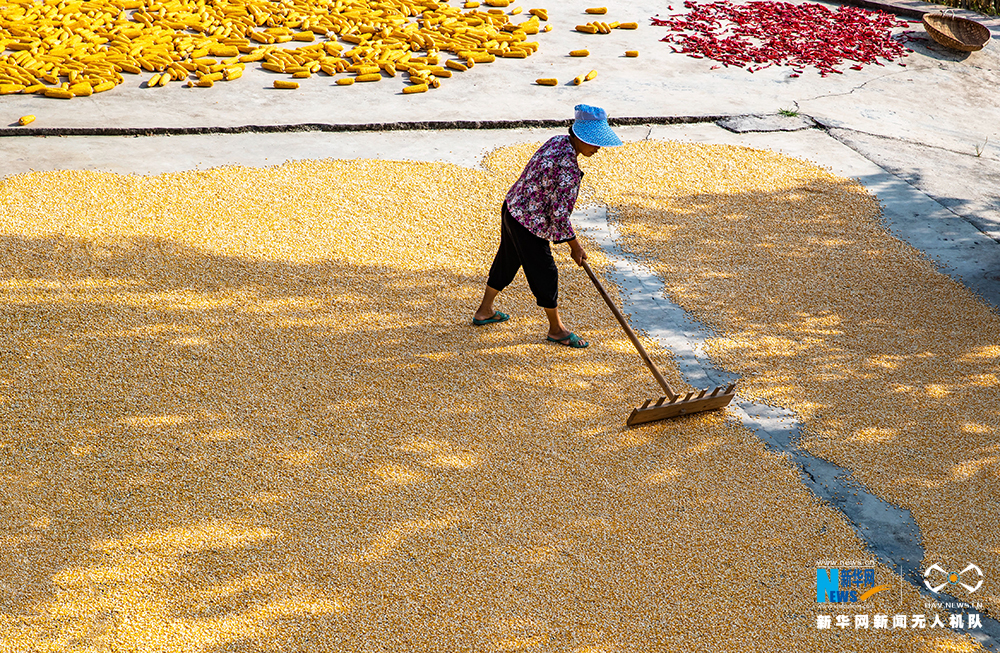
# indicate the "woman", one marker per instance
pixel 536 212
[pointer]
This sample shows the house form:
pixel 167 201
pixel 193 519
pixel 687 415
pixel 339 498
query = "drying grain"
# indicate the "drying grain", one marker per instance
pixel 892 366
pixel 245 409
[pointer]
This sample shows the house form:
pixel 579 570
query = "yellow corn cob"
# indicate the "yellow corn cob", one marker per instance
pixel 631 53
pixel 579 53
pixel 283 83
pixel 204 82
pixel 547 81
pixel 548 28
pixel 345 81
pixel 60 93
pixel 6 89
pixel 159 41
pixel 603 28
pixel 211 77
pixel 223 50
pixel 24 120
pixel 233 73
pixel 628 26
pixel 416 88
pixel 471 4
pixel 104 86
pixel 578 80
pixel 455 65
pixel 369 77
pixel 302 74
pixel 273 67
pixel 586 29
pixel 597 10
pixel 591 75
pixel 614 25
pixel 35 88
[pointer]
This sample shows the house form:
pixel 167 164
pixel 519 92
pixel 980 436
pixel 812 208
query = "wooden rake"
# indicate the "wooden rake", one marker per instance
pixel 673 404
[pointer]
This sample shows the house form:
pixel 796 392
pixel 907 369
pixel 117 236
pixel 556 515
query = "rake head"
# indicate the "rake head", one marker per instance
pixel 692 403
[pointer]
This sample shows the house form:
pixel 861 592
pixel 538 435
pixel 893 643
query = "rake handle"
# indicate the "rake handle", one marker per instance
pixel 671 395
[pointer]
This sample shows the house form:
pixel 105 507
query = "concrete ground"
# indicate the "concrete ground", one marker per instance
pixel 941 98
pixel 933 123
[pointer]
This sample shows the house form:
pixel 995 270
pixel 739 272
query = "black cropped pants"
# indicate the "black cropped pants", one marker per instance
pixel 519 248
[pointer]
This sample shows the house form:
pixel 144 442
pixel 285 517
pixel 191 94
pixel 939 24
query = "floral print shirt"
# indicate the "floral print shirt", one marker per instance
pixel 543 198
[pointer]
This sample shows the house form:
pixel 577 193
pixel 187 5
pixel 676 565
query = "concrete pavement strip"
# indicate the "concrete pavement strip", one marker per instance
pixel 941 98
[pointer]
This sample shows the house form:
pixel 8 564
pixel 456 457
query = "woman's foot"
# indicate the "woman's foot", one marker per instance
pixel 569 339
pixel 479 319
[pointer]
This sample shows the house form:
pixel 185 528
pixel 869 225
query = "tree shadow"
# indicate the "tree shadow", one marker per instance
pixel 221 453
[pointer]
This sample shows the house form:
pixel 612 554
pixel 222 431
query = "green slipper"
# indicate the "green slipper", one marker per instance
pixel 572 340
pixel 497 317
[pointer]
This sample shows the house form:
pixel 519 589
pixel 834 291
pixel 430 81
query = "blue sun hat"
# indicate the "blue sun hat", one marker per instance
pixel 591 127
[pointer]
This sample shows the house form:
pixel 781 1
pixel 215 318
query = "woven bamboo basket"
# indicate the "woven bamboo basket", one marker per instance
pixel 955 32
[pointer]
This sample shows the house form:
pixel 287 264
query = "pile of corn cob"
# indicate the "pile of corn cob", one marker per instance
pixel 69 49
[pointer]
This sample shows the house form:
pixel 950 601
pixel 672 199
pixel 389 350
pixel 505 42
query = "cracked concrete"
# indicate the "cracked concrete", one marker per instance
pixel 788 122
pixel 939 173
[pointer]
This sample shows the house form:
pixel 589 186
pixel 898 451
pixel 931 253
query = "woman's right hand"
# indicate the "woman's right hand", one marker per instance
pixel 577 252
